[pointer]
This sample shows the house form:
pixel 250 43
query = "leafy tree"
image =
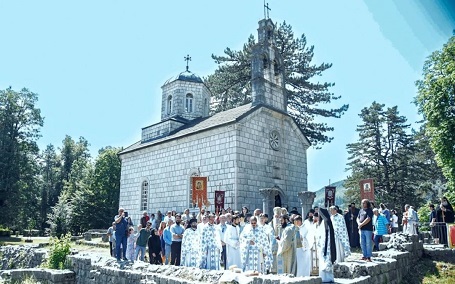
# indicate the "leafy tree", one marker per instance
pixel 96 203
pixel 436 101
pixel 106 186
pixel 50 174
pixel 60 217
pixel 20 122
pixel 231 83
pixel 385 152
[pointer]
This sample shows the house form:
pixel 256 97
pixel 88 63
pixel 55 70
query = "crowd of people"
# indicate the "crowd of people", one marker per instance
pixel 285 244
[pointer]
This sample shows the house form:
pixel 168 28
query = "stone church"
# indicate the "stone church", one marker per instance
pixel 256 153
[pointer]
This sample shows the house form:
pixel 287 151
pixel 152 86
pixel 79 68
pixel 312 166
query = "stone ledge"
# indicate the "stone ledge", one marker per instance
pixel 39 274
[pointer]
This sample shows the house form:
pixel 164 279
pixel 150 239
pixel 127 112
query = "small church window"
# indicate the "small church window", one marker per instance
pixel 264 62
pixel 189 103
pixel 169 105
pixel 276 68
pixel 144 195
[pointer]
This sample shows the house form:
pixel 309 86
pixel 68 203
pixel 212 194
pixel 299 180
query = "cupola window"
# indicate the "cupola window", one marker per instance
pixel 169 105
pixel 189 103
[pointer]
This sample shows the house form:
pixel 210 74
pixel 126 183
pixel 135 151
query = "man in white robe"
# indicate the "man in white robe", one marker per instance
pixel 303 252
pixel 343 246
pixel 210 246
pixel 255 248
pixel 326 246
pixel 191 245
pixel 232 240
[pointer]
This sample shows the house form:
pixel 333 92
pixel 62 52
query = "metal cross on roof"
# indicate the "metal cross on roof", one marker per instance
pixel 187 59
pixel 266 10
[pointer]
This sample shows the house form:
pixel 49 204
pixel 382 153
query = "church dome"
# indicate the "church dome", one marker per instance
pixel 187 76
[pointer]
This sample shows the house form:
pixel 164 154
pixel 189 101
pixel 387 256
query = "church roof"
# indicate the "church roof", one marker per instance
pixel 199 125
pixel 187 76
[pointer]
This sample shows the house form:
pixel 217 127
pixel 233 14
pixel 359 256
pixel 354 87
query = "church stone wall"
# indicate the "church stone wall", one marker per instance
pixel 159 130
pixel 167 168
pixel 260 166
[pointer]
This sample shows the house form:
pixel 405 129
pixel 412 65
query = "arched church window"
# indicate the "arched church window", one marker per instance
pixel 269 34
pixel 144 195
pixel 265 64
pixel 169 105
pixel 276 68
pixel 189 103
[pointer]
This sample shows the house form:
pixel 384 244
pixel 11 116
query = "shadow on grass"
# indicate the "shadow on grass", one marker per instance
pixel 424 267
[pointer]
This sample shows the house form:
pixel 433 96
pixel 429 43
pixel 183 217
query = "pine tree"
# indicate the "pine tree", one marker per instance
pixel 384 152
pixel 230 84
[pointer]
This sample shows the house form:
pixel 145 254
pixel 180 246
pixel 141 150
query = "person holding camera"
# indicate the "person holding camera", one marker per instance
pixel 121 228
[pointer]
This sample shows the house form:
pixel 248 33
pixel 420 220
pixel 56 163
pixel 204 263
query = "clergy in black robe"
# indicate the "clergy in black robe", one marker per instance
pixel 444 215
pixel 352 226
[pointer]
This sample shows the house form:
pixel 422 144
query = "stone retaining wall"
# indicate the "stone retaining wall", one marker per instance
pixel 25 256
pixel 39 274
pixel 101 270
pixel 390 265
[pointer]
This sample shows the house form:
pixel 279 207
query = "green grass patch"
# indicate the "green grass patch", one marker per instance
pixel 445 274
pixel 426 271
pixel 4 241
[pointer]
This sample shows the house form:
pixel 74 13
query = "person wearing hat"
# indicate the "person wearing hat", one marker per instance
pixel 210 245
pixel 191 249
pixel 326 246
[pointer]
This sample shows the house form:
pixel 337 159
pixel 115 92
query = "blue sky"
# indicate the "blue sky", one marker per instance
pixel 98 66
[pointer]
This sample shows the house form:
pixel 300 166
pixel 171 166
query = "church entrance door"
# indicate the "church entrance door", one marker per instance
pixel 277 200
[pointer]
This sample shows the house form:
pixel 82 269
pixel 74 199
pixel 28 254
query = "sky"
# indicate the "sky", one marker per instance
pixel 98 66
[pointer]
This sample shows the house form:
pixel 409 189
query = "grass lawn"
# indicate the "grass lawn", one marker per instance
pixel 427 271
pixel 20 240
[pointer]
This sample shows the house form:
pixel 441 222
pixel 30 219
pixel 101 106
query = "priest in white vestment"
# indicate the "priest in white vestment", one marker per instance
pixel 255 248
pixel 232 240
pixel 303 252
pixel 210 246
pixel 191 245
pixel 343 246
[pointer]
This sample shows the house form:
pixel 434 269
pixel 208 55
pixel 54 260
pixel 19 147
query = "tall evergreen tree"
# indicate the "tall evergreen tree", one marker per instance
pixel 50 174
pixel 20 122
pixel 385 152
pixel 230 84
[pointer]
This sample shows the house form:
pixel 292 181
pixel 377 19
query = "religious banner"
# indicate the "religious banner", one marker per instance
pixel 451 235
pixel 199 187
pixel 219 200
pixel 329 196
pixel 367 189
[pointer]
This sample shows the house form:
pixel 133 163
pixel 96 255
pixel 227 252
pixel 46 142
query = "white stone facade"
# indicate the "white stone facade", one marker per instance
pixel 244 151
pixel 238 155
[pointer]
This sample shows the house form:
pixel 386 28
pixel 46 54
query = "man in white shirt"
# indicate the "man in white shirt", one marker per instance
pixel 169 216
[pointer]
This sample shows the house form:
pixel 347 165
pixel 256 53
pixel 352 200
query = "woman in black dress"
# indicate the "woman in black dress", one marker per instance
pixel 154 245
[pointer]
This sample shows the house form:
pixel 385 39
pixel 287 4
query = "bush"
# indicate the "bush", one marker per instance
pixel 59 248
pixel 424 215
pixel 5 232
